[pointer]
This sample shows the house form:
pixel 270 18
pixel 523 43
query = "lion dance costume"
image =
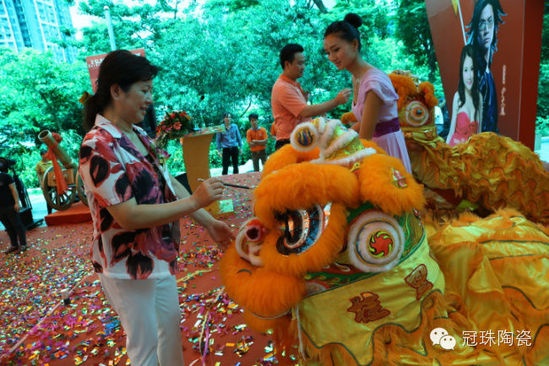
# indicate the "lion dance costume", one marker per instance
pixel 338 263
pixel 485 174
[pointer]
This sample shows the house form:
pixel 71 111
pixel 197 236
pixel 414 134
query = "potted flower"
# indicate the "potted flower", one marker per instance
pixel 175 125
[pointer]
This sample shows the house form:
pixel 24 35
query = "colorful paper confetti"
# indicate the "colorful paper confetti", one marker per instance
pixel 54 312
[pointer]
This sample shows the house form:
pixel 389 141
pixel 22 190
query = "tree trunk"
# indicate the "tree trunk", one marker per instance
pixel 320 5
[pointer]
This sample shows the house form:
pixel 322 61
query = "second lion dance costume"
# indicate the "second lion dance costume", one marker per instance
pixel 339 263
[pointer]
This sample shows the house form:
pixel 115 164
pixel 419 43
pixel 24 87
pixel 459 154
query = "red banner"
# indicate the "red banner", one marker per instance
pixel 94 62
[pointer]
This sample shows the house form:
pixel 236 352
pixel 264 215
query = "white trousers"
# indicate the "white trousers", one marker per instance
pixel 149 313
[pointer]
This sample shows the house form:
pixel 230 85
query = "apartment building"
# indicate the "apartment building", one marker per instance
pixel 37 24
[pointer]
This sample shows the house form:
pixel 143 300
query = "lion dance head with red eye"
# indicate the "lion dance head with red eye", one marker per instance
pixel 335 249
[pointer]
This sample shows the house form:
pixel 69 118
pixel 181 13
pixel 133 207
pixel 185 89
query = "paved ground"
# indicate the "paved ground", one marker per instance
pixel 543 151
pixel 38 327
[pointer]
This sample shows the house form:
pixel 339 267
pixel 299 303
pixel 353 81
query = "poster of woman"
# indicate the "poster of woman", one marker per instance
pixel 467 104
pixel 506 38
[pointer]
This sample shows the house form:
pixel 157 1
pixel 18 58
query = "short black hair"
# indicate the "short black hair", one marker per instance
pixel 5 164
pixel 253 116
pixel 288 52
pixel 474 27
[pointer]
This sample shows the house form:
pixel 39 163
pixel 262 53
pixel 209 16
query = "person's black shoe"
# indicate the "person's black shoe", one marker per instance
pixel 12 250
pixel 23 248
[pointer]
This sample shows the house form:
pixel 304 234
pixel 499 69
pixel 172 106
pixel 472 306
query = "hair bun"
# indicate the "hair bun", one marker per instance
pixel 354 19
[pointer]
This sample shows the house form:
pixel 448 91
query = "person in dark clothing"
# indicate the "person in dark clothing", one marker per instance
pixel 9 210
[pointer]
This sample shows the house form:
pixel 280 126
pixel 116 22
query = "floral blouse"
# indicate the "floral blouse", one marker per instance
pixel 114 171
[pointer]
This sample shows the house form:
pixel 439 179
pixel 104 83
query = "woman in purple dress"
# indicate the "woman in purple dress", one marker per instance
pixel 374 97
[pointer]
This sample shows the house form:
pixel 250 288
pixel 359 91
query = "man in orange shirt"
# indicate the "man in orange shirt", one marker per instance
pixel 289 101
pixel 257 139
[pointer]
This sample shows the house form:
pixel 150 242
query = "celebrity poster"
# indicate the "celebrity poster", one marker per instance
pixel 492 38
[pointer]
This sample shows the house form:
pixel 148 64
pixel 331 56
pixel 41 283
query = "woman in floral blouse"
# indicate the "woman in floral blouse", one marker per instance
pixel 136 206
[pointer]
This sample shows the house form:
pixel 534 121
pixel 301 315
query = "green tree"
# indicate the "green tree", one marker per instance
pixel 542 120
pixel 38 94
pixel 414 32
pixel 215 56
pixel 136 26
pixel 233 63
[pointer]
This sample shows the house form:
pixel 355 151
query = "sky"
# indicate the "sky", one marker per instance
pixel 79 21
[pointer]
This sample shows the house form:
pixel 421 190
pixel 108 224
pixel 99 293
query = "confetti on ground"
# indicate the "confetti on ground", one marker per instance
pixel 54 312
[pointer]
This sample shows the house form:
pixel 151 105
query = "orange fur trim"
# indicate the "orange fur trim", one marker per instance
pixel 264 293
pixel 407 89
pixel 428 91
pixel 377 185
pixel 373 145
pixel 308 184
pixel 287 155
pixel 285 336
pixel 348 118
pixel 232 265
pixel 404 86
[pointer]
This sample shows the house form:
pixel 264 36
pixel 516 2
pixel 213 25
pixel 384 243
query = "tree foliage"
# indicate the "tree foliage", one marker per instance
pixel 215 56
pixel 414 32
pixel 542 121
pixel 38 94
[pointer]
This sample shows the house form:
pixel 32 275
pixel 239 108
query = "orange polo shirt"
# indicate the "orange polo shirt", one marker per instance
pixel 287 102
pixel 259 134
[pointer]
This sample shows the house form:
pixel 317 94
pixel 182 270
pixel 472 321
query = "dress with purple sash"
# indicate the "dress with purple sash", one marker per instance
pixel 387 134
